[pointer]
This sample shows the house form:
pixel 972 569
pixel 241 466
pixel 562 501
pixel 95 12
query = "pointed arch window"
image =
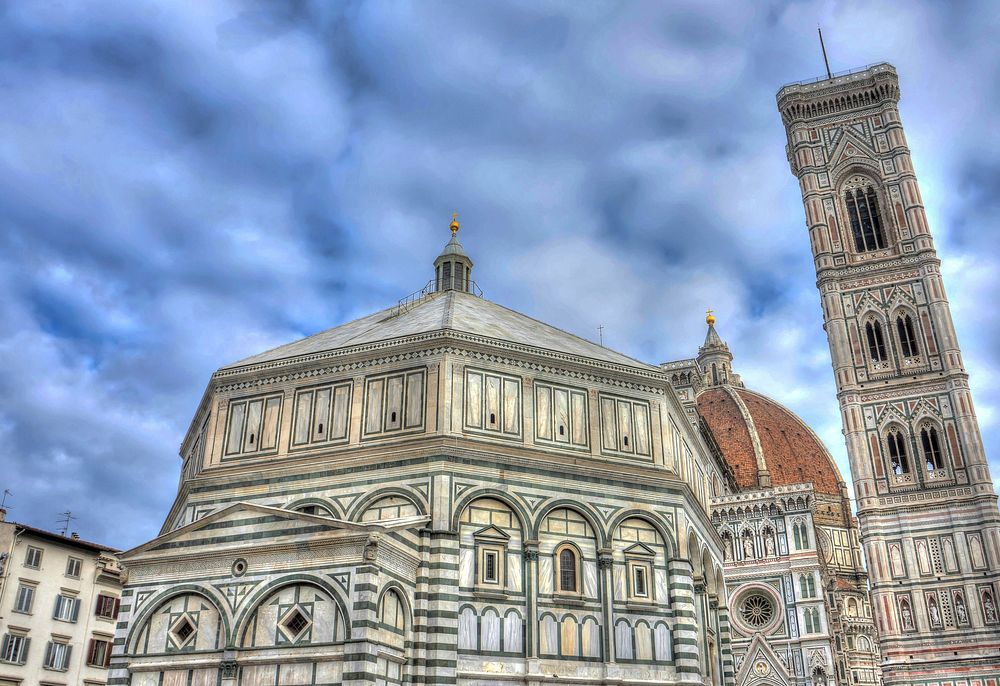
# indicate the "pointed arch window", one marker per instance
pixel 930 441
pixel 863 213
pixel 896 443
pixel 907 336
pixel 876 341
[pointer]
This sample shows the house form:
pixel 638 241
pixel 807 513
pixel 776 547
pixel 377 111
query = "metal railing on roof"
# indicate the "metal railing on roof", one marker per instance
pixel 838 74
pixel 410 301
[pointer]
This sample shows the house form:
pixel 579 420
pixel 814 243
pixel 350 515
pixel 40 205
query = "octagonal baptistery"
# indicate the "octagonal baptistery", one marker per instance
pixel 442 492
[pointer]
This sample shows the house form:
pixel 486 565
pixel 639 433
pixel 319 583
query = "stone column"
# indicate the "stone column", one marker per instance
pixel 685 633
pixel 531 599
pixel 361 653
pixel 438 639
pixel 606 565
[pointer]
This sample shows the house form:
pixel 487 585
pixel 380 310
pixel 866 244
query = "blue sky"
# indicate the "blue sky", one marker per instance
pixel 183 184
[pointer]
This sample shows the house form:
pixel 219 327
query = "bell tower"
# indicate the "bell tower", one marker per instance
pixel 926 506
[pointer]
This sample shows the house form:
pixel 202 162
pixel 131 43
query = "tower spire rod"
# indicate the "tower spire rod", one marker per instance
pixel 822 46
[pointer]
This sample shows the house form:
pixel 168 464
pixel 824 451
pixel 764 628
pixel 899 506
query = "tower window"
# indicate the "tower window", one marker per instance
pixel 897 453
pixel 862 210
pixel 907 338
pixel 931 444
pixel 715 374
pixel 446 275
pixel 876 341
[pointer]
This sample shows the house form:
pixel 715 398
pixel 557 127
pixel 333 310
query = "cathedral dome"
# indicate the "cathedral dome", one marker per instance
pixel 760 437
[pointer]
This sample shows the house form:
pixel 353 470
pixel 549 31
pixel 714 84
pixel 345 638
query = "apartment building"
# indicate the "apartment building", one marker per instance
pixel 59 599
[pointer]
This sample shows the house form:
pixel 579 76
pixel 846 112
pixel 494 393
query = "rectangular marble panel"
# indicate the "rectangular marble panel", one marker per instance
pixel 237 415
pixel 491 418
pixel 543 412
pixel 609 430
pixel 175 677
pixel 466 567
pixel 618 582
pixel 373 408
pixel 295 674
pixel 468 629
pixel 590 578
pixel 578 418
pixel 641 411
pixel 489 625
pixel 324 616
pixel 514 568
pixel 204 677
pixel 303 417
pixel 146 679
pixel 341 412
pixel 269 430
pixel 512 633
pixel 661 588
pixel 321 415
pixel 414 400
pixel 626 439
pixel 329 672
pixel 474 400
pixel 548 638
pixel 208 629
pixel 568 636
pixel 560 400
pixel 393 403
pixel 591 635
pixel 544 574
pixel 511 406
pixel 251 435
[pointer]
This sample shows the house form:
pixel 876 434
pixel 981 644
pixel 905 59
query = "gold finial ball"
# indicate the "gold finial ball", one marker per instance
pixel 454 223
pixel 710 318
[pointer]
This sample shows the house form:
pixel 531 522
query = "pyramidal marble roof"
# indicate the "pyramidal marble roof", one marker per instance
pixel 449 310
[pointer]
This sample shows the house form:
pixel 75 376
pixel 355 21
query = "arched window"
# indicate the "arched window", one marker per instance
pixel 862 211
pixel 907 337
pixel 715 374
pixel 797 534
pixel 568 569
pixel 807 586
pixel 931 444
pixel 876 341
pixel 896 442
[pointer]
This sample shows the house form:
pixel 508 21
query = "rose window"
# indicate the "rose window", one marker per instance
pixel 757 611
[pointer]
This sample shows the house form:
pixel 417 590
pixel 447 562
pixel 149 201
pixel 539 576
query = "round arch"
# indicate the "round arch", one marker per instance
pixel 495 494
pixel 327 505
pixel 359 507
pixel 650 518
pixel 592 519
pixel 262 593
pixel 154 603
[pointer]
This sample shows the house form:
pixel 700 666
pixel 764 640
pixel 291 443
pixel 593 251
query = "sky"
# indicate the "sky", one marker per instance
pixel 184 184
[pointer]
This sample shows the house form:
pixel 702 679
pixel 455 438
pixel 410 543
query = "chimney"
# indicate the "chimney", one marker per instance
pixel 75 536
pixel 3 515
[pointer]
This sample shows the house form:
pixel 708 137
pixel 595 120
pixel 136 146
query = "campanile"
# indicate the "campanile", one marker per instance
pixel 926 506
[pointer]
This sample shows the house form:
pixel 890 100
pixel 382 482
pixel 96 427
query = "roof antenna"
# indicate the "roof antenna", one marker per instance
pixel 3 502
pixel 65 518
pixel 822 46
pixel 600 332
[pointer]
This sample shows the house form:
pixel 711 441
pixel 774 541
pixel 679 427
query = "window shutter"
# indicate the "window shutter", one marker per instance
pixel 6 643
pixel 91 654
pixel 59 600
pixel 117 605
pixel 23 657
pixel 48 654
pixel 76 609
pixel 66 656
pixel 107 655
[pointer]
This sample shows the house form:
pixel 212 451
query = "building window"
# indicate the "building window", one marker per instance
pixel 811 617
pixel 639 577
pixel 568 569
pixel 896 443
pixel 907 337
pixel 800 534
pixel 807 586
pixel 67 608
pixel 57 656
pixel 932 448
pixel 862 210
pixel 99 654
pixel 73 566
pixel 15 649
pixel 25 599
pixel 33 558
pixel 876 341
pixel 107 606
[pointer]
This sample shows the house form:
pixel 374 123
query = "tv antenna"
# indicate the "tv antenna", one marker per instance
pixel 65 518
pixel 822 47
pixel 600 332
pixel 3 500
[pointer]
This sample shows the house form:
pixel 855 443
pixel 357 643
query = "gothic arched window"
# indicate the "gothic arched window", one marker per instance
pixel 896 443
pixel 862 211
pixel 876 341
pixel 907 337
pixel 931 444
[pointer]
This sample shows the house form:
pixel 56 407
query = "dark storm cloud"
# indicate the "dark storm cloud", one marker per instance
pixel 185 184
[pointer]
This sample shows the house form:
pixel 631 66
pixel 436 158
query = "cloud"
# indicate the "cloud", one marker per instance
pixel 186 184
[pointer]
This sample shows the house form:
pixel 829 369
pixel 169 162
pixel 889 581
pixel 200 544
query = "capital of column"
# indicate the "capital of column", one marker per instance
pixel 605 558
pixel 531 551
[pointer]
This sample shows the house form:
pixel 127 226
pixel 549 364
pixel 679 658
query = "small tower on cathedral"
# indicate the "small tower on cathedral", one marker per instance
pixel 715 359
pixel 453 268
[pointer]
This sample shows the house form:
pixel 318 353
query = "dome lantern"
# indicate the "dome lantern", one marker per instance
pixel 714 358
pixel 453 268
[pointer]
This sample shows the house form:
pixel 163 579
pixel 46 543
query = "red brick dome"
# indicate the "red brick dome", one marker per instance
pixel 754 432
